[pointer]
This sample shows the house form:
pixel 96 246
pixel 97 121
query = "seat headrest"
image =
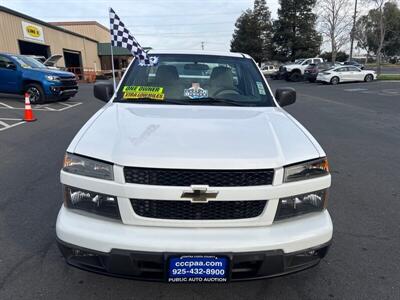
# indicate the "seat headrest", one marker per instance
pixel 221 76
pixel 166 75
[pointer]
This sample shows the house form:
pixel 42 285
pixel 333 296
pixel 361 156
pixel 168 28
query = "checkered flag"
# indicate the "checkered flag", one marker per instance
pixel 121 37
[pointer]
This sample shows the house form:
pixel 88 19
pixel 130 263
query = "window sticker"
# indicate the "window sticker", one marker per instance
pixel 195 92
pixel 260 87
pixel 138 92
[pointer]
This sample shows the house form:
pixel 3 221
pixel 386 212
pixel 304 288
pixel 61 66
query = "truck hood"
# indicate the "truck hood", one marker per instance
pixel 50 72
pixel 291 66
pixel 199 137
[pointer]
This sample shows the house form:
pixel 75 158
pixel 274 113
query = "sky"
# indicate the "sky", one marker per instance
pixel 161 24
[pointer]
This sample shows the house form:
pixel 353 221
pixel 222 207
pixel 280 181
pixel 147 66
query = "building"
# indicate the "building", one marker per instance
pixel 101 34
pixel 84 45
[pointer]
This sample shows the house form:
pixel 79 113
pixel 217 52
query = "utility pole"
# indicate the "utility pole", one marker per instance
pixel 202 45
pixel 353 31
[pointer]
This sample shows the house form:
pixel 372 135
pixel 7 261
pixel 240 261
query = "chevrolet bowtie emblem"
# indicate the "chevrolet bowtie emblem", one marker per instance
pixel 199 194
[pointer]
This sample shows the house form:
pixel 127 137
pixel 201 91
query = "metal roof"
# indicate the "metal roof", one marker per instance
pixel 104 49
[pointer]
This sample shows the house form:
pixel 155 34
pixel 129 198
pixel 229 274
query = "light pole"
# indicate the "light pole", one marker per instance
pixel 353 31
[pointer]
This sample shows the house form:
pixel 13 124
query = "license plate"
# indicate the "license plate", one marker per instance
pixel 198 269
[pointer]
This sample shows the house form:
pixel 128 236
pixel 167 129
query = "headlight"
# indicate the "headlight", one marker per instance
pixel 92 202
pixel 301 204
pixel 306 170
pixel 88 167
pixel 52 78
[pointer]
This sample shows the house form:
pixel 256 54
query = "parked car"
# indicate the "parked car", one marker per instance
pixel 295 71
pixel 20 74
pixel 194 178
pixel 311 72
pixel 354 63
pixel 268 70
pixel 48 62
pixel 346 74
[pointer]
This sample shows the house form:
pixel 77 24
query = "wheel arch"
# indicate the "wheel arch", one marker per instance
pixel 26 82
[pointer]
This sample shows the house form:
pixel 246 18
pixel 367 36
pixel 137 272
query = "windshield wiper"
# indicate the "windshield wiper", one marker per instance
pixel 217 100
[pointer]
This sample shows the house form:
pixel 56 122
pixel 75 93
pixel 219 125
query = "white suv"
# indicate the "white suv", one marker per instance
pixel 193 172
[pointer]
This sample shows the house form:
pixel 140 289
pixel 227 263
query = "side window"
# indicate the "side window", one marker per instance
pixel 342 70
pixel 353 69
pixel 307 62
pixel 4 61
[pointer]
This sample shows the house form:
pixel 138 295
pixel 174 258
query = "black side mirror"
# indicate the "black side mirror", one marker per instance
pixel 103 91
pixel 11 66
pixel 285 96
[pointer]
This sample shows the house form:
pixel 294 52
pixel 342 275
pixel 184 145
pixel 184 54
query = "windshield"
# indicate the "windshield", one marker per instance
pixel 28 62
pixel 196 80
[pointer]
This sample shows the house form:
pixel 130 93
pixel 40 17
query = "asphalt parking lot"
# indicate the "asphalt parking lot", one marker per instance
pixel 357 124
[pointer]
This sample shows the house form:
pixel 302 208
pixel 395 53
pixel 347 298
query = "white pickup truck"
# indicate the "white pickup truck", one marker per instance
pixel 295 71
pixel 192 172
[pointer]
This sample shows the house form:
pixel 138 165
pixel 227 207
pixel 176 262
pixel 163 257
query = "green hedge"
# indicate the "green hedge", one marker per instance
pixel 389 77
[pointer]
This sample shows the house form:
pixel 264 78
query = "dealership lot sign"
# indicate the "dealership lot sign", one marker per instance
pixel 32 32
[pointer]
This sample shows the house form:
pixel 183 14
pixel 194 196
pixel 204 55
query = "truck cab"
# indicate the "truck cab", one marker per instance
pixel 20 74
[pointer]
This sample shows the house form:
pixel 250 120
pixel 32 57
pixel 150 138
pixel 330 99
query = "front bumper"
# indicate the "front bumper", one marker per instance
pixel 152 266
pixel 111 247
pixel 56 91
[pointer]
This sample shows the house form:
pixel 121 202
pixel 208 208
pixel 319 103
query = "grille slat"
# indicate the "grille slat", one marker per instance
pixel 186 210
pixel 183 177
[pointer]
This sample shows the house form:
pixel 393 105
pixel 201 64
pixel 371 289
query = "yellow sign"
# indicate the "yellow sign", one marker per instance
pixel 33 31
pixel 140 92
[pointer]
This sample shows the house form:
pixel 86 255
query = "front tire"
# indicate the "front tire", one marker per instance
pixel 36 93
pixel 335 80
pixel 369 78
pixel 295 77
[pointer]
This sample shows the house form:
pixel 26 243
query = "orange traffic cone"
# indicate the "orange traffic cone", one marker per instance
pixel 28 114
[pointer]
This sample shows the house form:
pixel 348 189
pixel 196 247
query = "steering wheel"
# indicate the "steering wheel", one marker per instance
pixel 225 90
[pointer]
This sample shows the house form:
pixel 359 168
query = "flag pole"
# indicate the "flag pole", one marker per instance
pixel 112 54
pixel 112 66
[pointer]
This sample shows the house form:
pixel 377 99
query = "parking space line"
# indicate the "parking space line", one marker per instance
pixel 68 106
pixel 7 126
pixel 43 107
pixel 6 105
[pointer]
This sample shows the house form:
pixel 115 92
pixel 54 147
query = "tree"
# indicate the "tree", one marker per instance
pixel 364 36
pixel 253 33
pixel 295 35
pixel 381 30
pixel 392 39
pixel 246 37
pixel 263 17
pixel 335 23
pixel 340 56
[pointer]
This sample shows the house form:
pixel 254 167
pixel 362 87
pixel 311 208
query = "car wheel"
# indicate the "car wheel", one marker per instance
pixel 368 78
pixel 36 93
pixel 335 80
pixel 295 77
